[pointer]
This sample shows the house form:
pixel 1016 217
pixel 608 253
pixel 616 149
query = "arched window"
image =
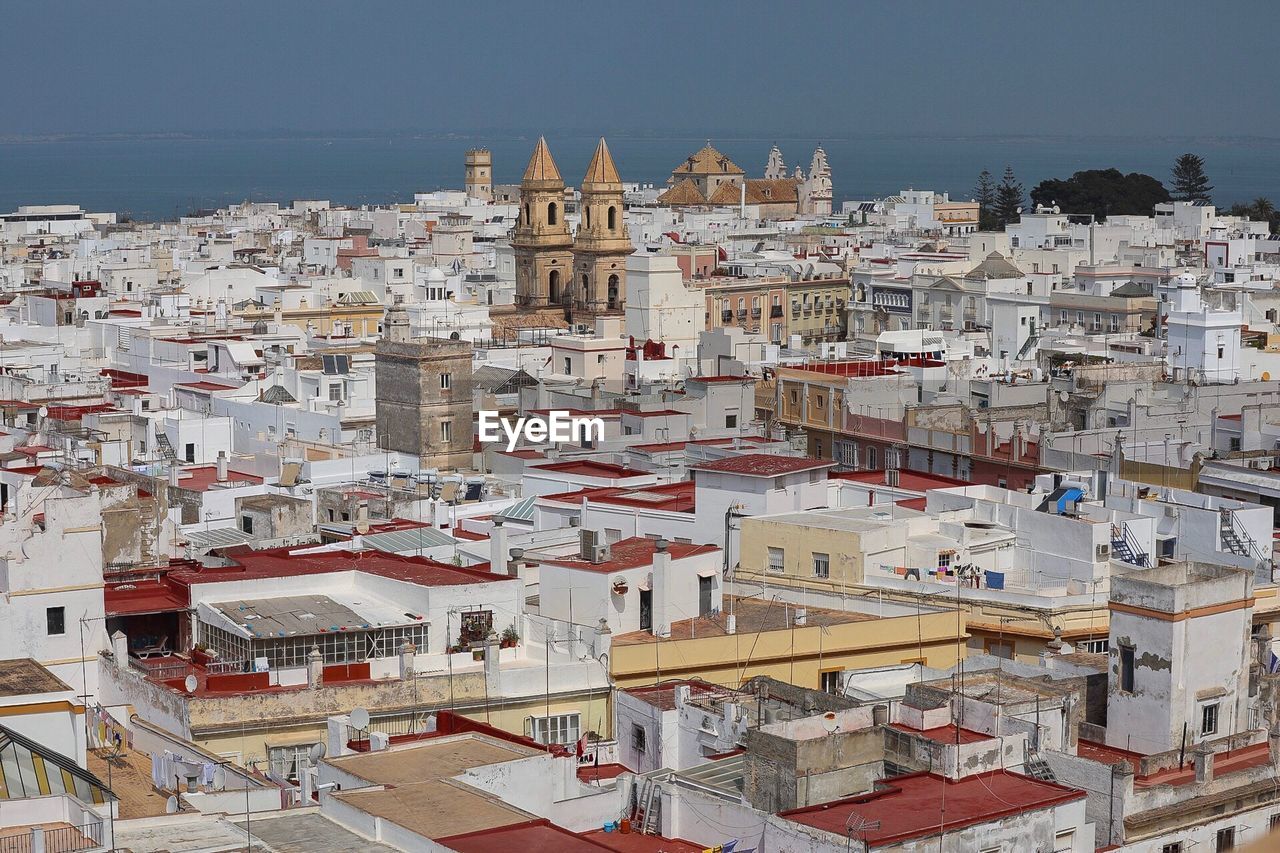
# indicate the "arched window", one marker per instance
pixel 587 210
pixel 613 218
pixel 553 284
pixel 584 284
pixel 527 220
pixel 613 289
pixel 551 213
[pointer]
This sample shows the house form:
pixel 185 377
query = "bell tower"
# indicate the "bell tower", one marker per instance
pixel 479 175
pixel 541 238
pixel 602 245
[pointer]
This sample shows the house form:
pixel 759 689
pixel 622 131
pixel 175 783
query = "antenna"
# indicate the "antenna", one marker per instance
pixel 360 718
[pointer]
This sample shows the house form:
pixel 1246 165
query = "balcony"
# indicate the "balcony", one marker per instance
pixel 775 311
pixel 742 313
pixel 726 316
pixel 755 312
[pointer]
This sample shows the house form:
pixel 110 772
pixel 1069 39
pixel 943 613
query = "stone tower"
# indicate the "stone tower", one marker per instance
pixel 541 238
pixel 423 403
pixel 602 245
pixel 815 192
pixel 479 178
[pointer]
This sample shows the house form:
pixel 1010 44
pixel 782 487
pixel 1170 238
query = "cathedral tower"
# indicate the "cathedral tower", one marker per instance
pixel 602 245
pixel 541 238
pixel 816 192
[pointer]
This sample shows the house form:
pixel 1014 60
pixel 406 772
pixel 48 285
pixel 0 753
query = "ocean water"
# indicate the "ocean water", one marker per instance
pixel 161 178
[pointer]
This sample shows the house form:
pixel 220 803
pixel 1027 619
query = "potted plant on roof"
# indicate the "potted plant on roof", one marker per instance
pixel 202 655
pixel 510 637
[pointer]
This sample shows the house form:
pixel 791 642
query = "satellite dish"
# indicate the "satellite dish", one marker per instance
pixel 171 805
pixel 191 683
pixel 219 777
pixel 43 412
pixel 360 718
pixel 830 723
pixel 317 752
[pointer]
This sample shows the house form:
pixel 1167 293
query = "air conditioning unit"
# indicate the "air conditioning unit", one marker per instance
pixel 1104 551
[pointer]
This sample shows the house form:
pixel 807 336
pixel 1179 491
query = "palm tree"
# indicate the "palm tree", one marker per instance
pixel 1262 208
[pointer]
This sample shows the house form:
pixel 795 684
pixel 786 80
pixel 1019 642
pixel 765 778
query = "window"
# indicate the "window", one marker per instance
pixel 55 619
pixel 335 393
pixel 246 523
pixel 831 682
pixel 1209 719
pixel 821 565
pixel 846 453
pixel 1226 839
pixel 944 559
pixel 646 610
pixel 552 213
pixel 287 761
pixel 190 452
pixel 704 596
pixel 1234 444
pixel 638 739
pixel 1175 847
pixel 613 218
pixel 731 421
pixel 1062 317
pixel 446 381
pixel 1094 647
pixel 1126 669
pixel 446 431
pixel 559 728
pixel 1000 649
pixel 871 458
pixel 568 365
pixel 1064 841
pixel 776 557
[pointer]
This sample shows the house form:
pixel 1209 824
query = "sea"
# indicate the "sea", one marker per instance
pixel 162 177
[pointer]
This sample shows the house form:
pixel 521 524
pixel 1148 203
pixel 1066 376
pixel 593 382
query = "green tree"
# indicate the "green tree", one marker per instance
pixel 1263 209
pixel 984 193
pixel 1189 180
pixel 1102 192
pixel 1008 198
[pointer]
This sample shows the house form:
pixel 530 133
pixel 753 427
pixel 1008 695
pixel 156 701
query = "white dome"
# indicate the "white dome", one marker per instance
pixel 1218 225
pixel 436 276
pixel 1186 279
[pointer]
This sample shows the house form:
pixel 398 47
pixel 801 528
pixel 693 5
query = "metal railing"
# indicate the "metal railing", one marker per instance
pixel 60 840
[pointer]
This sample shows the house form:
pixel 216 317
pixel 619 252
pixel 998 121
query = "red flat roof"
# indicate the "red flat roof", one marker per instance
pixel 542 836
pixel 659 413
pixel 630 554
pixel 911 806
pixel 945 734
pixel 201 478
pixel 663 696
pixel 913 481
pixel 137 598
pixel 205 385
pixel 590 468
pixel 670 497
pixel 726 441
pixel 282 562
pixel 709 379
pixel 763 464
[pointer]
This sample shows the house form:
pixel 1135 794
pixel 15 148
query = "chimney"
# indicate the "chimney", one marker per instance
pixel 1202 756
pixel 120 651
pixel 222 466
pixel 682 693
pixel 315 668
pixel 513 566
pixel 174 471
pixel 407 653
pixel 362 518
pixel 660 586
pixel 498 547
pixel 492 671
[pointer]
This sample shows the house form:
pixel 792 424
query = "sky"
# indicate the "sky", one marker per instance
pixel 778 69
